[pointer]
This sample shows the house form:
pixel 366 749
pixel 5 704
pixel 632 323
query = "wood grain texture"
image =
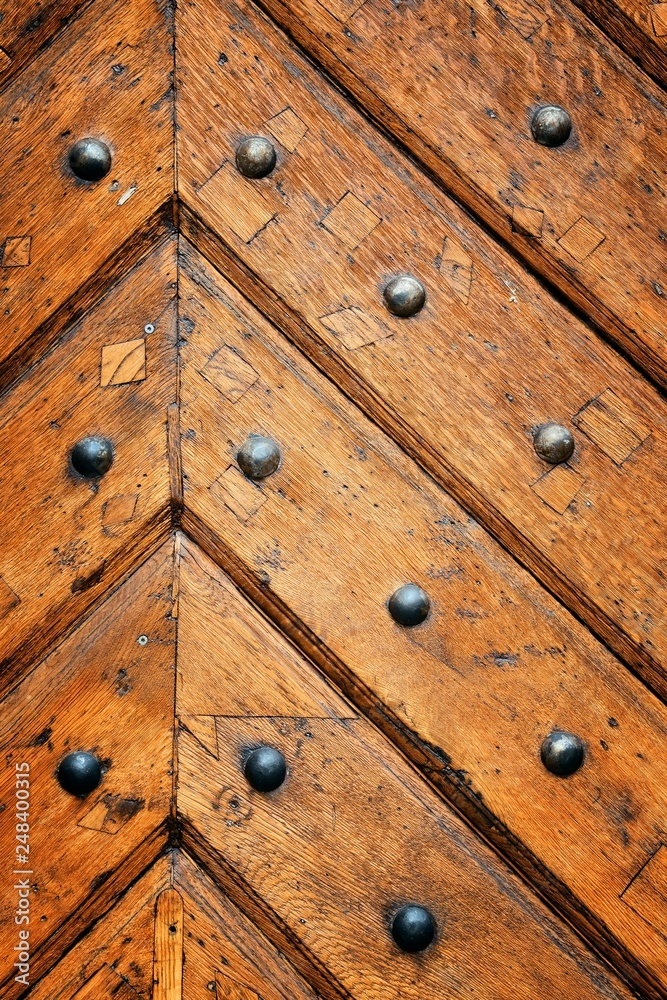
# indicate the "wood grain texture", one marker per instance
pixel 26 27
pixel 637 26
pixel 64 541
pixel 168 946
pixel 107 76
pixel 346 786
pixel 120 944
pixel 457 84
pixel 95 692
pixel 344 522
pixel 224 954
pixel 462 385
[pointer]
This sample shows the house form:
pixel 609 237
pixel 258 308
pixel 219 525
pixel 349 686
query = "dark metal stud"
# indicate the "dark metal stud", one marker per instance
pixel 413 928
pixel 90 159
pixel 554 443
pixel 79 773
pixel 409 605
pixel 92 457
pixel 404 295
pixel 562 753
pixel 255 157
pixel 551 126
pixel 265 769
pixel 258 457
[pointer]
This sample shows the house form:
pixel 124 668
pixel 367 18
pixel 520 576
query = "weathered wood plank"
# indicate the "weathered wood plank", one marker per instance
pixel 26 27
pixel 458 83
pixel 65 540
pixel 291 849
pixel 471 693
pixel 638 26
pixel 106 77
pixel 111 680
pixel 463 384
pixel 120 944
pixel 224 953
pixel 168 946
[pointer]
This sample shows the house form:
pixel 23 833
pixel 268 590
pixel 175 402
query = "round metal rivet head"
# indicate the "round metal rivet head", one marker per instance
pixel 265 769
pixel 409 605
pixel 258 457
pixel 562 753
pixel 92 457
pixel 255 157
pixel 554 443
pixel 413 928
pixel 90 159
pixel 404 295
pixel 79 773
pixel 551 126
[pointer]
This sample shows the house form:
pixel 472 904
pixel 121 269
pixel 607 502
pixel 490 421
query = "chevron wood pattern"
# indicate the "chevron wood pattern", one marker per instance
pixel 321 677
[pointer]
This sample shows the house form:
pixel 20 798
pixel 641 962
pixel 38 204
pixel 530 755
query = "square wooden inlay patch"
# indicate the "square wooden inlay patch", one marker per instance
pixel 351 221
pixel 122 363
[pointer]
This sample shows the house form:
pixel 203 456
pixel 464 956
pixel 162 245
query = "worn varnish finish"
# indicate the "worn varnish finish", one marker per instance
pixel 107 376
pixel 26 27
pixel 56 231
pixel 464 383
pixel 490 631
pixel 500 62
pixel 346 785
pixel 210 593
pixel 93 693
pixel 638 27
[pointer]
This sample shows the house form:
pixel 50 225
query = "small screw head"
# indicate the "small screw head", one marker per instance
pixel 255 157
pixel 90 159
pixel 79 773
pixel 258 457
pixel 92 457
pixel 404 295
pixel 562 753
pixel 149 328
pixel 551 126
pixel 265 769
pixel 142 640
pixel 413 928
pixel 553 443
pixel 409 605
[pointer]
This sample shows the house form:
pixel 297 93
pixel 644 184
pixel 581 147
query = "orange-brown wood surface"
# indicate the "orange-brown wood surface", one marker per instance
pixel 109 77
pixel 494 669
pixel 465 382
pixel 93 693
pixel 638 27
pixel 352 788
pixel 65 540
pixel 485 69
pixel 115 958
pixel 26 27
pixel 170 610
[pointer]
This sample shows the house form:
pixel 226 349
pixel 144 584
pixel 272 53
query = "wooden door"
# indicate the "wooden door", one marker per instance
pixel 332 575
